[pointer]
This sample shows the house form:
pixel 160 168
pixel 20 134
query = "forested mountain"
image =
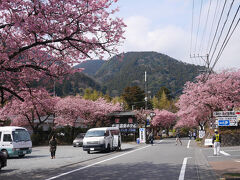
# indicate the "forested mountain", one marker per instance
pixel 120 72
pixel 74 84
pixel 90 66
pixel 162 70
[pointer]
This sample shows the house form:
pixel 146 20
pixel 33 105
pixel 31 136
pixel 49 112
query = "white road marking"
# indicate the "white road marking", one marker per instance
pixel 237 161
pixel 231 150
pixel 224 153
pixel 188 145
pixel 182 173
pixel 90 165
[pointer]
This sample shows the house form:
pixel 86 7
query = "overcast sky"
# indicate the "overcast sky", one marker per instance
pixel 165 26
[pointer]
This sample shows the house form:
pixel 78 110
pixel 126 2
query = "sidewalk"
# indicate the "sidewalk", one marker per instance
pixel 229 169
pixel 223 169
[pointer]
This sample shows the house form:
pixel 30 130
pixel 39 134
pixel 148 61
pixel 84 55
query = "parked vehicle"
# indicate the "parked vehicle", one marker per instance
pixel 15 141
pixel 78 141
pixel 3 160
pixel 102 139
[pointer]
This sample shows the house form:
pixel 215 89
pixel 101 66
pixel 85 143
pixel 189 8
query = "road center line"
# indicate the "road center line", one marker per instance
pixel 90 165
pixel 182 173
pixel 224 153
pixel 188 145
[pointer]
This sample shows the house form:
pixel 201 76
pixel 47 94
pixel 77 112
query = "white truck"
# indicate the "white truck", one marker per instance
pixel 15 141
pixel 102 139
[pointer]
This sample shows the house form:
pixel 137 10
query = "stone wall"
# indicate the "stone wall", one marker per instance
pixel 230 139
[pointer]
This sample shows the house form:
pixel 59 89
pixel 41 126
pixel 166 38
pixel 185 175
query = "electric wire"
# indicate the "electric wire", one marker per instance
pixel 199 20
pixel 210 34
pixel 215 34
pixel 192 29
pixel 220 35
pixel 226 40
pixel 205 27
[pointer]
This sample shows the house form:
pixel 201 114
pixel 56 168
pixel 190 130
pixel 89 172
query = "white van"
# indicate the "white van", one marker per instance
pixel 102 139
pixel 15 141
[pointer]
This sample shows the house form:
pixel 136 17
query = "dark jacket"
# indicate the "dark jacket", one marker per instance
pixel 53 145
pixel 214 138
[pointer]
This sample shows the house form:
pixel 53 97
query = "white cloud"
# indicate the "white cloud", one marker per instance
pixel 170 40
pixel 174 41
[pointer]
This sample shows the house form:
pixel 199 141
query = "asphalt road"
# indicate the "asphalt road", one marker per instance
pixel 163 160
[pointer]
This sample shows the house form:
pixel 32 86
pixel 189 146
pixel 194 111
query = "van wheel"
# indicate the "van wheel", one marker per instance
pixel 21 156
pixel 5 153
pixel 88 152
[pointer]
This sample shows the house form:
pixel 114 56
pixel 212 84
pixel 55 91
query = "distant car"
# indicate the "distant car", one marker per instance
pixel 78 141
pixel 3 160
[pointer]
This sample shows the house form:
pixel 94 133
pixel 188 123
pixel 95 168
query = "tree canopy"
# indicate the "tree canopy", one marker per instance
pixel 42 39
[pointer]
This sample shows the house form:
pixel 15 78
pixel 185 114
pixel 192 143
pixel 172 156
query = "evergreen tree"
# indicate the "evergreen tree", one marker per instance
pixel 167 92
pixel 134 97
pixel 155 102
pixel 164 103
pixel 87 93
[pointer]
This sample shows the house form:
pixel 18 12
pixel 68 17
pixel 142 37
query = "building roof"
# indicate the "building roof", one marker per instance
pixel 122 113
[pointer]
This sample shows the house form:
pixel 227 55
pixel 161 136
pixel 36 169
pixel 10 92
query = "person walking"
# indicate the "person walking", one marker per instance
pixel 178 139
pixel 190 134
pixel 150 138
pixel 53 146
pixel 216 140
pixel 194 135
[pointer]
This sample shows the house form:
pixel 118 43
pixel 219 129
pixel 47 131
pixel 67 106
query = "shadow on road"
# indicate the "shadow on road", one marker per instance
pixel 129 171
pixel 6 171
pixel 28 157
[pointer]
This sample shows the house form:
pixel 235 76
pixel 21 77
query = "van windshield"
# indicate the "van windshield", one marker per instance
pixel 95 133
pixel 21 135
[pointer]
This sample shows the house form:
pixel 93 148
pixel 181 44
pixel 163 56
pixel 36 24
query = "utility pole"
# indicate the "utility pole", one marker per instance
pixel 146 90
pixel 207 62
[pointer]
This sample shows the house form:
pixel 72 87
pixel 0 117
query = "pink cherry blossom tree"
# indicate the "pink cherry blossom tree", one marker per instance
pixel 164 118
pixel 95 113
pixel 41 39
pixel 100 110
pixel 141 115
pixel 199 99
pixel 33 112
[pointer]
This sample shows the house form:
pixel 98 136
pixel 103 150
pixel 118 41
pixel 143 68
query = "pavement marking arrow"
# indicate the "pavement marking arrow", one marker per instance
pixel 224 153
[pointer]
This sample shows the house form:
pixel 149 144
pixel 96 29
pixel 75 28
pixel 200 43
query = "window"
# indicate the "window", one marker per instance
pixel 95 133
pixel 0 136
pixel 21 135
pixel 7 138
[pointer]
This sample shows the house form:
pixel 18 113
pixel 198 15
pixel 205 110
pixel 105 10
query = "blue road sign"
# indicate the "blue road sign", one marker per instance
pixel 223 122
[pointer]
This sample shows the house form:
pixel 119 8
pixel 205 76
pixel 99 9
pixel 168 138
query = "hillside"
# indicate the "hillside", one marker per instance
pixel 162 70
pixel 90 66
pixel 74 84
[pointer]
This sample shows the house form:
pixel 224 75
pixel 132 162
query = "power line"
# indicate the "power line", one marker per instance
pixel 217 27
pixel 227 40
pixel 192 28
pixel 215 13
pixel 222 30
pixel 199 20
pixel 205 27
